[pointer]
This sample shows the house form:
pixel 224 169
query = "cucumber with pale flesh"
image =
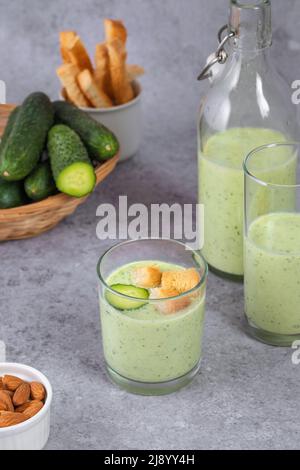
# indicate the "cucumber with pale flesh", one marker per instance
pixel 72 169
pixel 123 303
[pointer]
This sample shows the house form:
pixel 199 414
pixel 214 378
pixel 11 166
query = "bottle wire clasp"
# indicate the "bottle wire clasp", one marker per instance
pixel 220 56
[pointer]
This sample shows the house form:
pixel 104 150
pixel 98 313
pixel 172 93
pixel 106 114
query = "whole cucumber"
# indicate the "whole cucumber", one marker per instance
pixel 12 194
pixel 25 143
pixel 10 123
pixel 40 183
pixel 101 143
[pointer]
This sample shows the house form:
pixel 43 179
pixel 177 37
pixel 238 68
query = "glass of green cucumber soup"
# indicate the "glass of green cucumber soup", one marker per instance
pixel 272 244
pixel 152 301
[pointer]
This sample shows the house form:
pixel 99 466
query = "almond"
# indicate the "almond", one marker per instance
pixel 7 418
pixel 22 408
pixel 5 398
pixel 3 406
pixel 37 391
pixel 11 382
pixel 9 393
pixel 33 408
pixel 22 394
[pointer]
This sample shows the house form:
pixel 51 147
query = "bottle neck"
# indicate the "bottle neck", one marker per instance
pixel 246 64
pixel 251 22
pixel 250 54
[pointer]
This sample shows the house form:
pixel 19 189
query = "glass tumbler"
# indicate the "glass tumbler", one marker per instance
pixel 272 243
pixel 152 345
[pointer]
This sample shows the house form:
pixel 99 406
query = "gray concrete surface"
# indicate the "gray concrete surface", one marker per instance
pixel 246 396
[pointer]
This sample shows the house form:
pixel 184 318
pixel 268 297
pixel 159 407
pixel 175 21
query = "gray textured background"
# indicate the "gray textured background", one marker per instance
pixel 247 394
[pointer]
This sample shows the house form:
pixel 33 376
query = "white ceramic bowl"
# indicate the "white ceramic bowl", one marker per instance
pixel 125 121
pixel 34 433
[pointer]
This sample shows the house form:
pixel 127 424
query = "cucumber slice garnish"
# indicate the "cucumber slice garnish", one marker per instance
pixel 121 303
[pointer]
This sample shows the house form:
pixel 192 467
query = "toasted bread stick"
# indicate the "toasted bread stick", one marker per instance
pixel 168 307
pixel 122 88
pixel 90 89
pixel 102 71
pixel 115 29
pixel 78 55
pixel 134 71
pixel 68 73
pixel 66 38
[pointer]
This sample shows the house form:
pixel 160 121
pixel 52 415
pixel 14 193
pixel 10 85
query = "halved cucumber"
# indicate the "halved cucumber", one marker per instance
pixel 77 180
pixel 121 303
pixel 72 169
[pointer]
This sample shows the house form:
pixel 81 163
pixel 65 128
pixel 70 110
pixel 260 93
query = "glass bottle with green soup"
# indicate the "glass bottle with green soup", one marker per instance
pixel 248 105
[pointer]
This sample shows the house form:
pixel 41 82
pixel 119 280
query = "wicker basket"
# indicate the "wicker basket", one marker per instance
pixel 33 219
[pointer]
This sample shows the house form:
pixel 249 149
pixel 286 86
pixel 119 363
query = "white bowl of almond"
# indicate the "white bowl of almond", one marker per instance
pixel 25 401
pixel 108 89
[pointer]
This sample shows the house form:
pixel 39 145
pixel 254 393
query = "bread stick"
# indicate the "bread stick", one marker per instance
pixel 78 55
pixel 102 71
pixel 134 71
pixel 122 88
pixel 115 29
pixel 66 38
pixel 68 73
pixel 90 89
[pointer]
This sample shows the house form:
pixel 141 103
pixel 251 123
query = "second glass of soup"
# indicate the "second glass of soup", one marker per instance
pixel 272 244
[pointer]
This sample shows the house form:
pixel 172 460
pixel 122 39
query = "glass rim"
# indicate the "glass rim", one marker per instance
pixel 248 5
pixel 247 172
pixel 127 242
